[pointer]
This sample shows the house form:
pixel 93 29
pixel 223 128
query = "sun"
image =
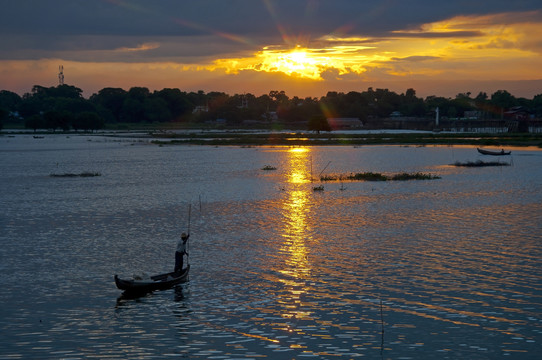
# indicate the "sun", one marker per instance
pixel 297 62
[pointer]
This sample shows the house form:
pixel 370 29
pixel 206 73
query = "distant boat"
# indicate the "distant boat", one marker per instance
pixel 494 153
pixel 156 282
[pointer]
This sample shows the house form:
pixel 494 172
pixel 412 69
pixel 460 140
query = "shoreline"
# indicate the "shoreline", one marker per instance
pixel 353 139
pixel 249 137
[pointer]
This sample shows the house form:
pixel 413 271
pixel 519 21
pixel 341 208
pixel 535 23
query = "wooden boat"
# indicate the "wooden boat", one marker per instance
pixel 494 153
pixel 156 282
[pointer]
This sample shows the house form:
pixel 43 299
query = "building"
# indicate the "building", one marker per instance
pixel 200 108
pixel 344 123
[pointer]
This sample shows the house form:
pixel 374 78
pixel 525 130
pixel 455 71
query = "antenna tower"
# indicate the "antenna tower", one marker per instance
pixel 60 75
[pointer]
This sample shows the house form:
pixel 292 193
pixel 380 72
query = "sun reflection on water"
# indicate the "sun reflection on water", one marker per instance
pixel 296 209
pixel 299 171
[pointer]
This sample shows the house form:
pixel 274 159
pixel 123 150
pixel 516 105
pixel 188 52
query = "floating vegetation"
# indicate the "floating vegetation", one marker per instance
pixel 318 188
pixel 83 174
pixel 415 176
pixel 269 167
pixel 481 163
pixel 370 176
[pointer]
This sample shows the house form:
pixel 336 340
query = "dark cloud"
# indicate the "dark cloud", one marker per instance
pixel 429 34
pixel 240 17
pixel 96 29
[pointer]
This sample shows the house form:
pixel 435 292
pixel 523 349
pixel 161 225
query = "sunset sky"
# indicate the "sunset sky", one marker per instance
pixel 304 47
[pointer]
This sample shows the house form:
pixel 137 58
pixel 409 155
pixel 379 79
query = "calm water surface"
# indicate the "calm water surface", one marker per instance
pixel 439 269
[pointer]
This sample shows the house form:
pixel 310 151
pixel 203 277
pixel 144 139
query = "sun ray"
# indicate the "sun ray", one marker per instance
pixel 205 29
pixel 443 47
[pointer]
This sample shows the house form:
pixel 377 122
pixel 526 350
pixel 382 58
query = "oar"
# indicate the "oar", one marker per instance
pixel 189 211
pixel 187 252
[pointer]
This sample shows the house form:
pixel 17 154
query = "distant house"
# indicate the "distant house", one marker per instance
pixel 472 115
pixel 200 109
pixel 344 123
pixel 517 113
pixel 270 116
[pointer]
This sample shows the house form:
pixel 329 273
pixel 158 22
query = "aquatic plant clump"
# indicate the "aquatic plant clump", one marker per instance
pixel 481 163
pixel 415 176
pixel 269 167
pixel 83 174
pixel 370 176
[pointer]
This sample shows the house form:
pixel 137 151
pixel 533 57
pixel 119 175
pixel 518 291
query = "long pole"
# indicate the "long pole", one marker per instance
pixel 320 175
pixel 187 241
pixel 189 211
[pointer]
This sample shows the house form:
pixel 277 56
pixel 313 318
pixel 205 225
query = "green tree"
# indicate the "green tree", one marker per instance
pixel 412 105
pixel 111 100
pixel 156 110
pixel 177 102
pixel 132 111
pixel 88 121
pixel 3 117
pixel 139 93
pixel 34 122
pixel 58 120
pixel 503 100
pixel 9 100
pixel 537 105
pixel 318 123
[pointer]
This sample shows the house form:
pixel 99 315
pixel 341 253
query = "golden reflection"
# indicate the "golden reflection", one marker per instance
pixel 295 226
pixel 299 165
pixel 296 208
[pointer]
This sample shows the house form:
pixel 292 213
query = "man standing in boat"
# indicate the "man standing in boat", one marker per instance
pixel 181 250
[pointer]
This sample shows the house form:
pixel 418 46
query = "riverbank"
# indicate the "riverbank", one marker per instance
pixel 252 137
pixel 346 138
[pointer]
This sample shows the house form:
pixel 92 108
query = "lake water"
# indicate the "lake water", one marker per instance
pixel 435 269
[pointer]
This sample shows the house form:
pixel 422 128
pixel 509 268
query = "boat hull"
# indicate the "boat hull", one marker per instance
pixel 494 153
pixel 157 282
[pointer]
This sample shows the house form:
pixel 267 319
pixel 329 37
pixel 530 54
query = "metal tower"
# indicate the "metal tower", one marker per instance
pixel 60 75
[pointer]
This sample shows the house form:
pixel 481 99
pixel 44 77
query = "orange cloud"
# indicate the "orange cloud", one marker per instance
pixel 466 49
pixel 460 46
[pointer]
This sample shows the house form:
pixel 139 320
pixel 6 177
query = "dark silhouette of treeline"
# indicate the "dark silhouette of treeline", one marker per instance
pixel 64 107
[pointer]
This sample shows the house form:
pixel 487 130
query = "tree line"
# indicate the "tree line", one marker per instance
pixel 64 107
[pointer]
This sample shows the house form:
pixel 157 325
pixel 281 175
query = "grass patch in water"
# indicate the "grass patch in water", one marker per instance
pixel 480 163
pixel 83 174
pixel 370 176
pixel 414 176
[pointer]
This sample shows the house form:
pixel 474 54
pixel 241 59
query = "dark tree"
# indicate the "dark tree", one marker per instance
pixel 3 117
pixel 34 122
pixel 88 121
pixel 112 100
pixel 503 100
pixel 177 102
pixel 9 101
pixel 156 110
pixel 318 123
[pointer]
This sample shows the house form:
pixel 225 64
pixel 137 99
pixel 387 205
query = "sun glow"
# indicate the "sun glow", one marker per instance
pixel 303 63
pixel 298 62
pixel 454 47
